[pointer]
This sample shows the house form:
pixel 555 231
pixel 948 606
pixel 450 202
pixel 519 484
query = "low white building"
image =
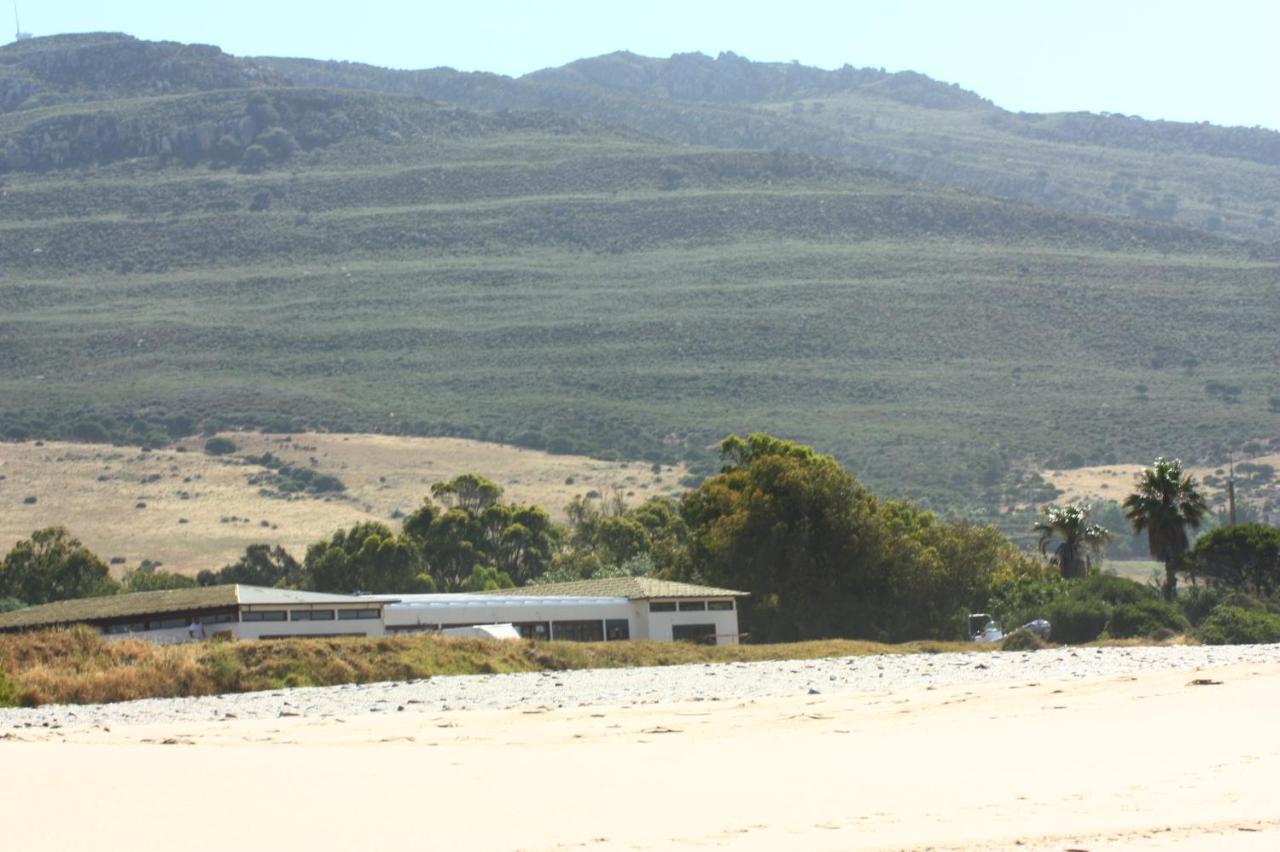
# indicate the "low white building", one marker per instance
pixel 585 611
pixel 183 615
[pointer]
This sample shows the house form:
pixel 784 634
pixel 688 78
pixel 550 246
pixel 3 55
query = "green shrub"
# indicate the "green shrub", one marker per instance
pixel 1198 602
pixel 8 692
pixel 1114 590
pixel 220 446
pixel 1231 625
pixel 1144 618
pixel 1075 621
pixel 1022 640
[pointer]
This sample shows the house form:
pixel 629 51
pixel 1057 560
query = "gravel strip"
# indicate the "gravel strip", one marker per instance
pixel 699 682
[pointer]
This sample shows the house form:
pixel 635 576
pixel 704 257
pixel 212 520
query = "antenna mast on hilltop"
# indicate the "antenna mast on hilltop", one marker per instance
pixel 1231 491
pixel 18 34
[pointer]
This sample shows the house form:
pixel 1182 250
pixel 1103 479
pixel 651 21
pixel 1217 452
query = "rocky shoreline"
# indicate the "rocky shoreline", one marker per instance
pixel 655 685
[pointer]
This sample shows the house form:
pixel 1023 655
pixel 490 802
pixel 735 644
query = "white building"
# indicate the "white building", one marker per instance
pixel 181 615
pixel 584 611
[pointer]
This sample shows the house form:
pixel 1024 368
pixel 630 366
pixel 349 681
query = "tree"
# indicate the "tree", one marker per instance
pixel 261 565
pixel 53 566
pixel 1166 504
pixel 470 492
pixel 1244 557
pixel 367 558
pixel 1079 541
pixel 791 527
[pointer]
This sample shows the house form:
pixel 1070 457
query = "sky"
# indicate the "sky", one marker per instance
pixel 1183 60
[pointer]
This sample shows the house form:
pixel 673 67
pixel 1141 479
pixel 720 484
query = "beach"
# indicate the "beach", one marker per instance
pixel 1113 748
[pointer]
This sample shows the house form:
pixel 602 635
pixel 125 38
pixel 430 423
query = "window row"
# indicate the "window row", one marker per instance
pixel 691 606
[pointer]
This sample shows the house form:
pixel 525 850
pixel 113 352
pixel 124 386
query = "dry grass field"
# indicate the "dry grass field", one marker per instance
pixel 191 511
pixel 1115 481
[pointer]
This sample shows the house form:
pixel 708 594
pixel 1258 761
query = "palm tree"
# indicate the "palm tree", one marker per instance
pixel 1167 503
pixel 1080 542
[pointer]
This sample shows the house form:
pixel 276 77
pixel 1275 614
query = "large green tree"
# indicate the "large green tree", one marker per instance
pixel 53 566
pixel 476 541
pixel 1166 504
pixel 794 529
pixel 1244 557
pixel 1078 542
pixel 369 557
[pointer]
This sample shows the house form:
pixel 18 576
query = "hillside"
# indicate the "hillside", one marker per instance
pixel 190 511
pixel 556 280
pixel 1218 179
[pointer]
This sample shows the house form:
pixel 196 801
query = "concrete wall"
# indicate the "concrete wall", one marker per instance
pixel 660 624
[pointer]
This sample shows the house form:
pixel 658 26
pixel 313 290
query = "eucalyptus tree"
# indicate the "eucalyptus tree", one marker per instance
pixel 1167 503
pixel 1078 541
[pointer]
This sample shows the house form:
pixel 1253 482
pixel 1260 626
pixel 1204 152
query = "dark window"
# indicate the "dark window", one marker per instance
pixel 721 606
pixel 617 628
pixel 166 623
pixel 264 615
pixel 217 618
pixel 578 631
pixel 534 629
pixel 356 614
pixel 693 606
pixel 131 627
pixel 662 606
pixel 311 615
pixel 703 634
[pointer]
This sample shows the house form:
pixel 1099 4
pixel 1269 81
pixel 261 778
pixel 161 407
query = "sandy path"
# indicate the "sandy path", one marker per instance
pixel 1142 760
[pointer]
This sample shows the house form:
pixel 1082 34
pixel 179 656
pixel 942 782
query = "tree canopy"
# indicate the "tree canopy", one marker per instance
pixel 53 566
pixel 1166 504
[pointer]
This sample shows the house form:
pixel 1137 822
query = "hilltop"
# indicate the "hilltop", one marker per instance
pixel 194 241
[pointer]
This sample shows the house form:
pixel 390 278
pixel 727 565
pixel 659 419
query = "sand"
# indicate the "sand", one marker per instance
pixel 1117 752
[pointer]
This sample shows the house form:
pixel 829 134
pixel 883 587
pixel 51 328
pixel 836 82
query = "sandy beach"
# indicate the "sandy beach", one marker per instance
pixel 1128 748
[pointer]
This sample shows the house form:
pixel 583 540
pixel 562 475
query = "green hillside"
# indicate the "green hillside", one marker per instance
pixel 1224 180
pixel 549 279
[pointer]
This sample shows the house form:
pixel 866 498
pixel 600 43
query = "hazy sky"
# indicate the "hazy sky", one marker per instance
pixel 1188 60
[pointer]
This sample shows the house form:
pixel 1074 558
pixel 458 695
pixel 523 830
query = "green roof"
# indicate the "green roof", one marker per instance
pixel 632 588
pixel 83 610
pixel 120 606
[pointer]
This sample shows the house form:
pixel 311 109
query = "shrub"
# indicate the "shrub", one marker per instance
pixel 1144 618
pixel 1198 602
pixel 1022 640
pixel 8 692
pixel 220 446
pixel 1075 621
pixel 1230 625
pixel 1114 590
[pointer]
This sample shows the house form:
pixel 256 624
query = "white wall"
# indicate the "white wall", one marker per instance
pixel 403 615
pixel 660 623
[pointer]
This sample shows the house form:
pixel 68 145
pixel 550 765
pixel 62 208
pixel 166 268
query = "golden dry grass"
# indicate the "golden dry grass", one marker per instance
pixel 1115 481
pixel 79 666
pixel 94 490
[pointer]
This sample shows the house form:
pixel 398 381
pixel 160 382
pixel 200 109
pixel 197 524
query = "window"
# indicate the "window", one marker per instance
pixel 720 606
pixel 617 628
pixel 578 631
pixel 534 629
pixel 693 606
pixel 131 627
pixel 703 634
pixel 166 623
pixel 356 614
pixel 264 615
pixel 662 606
pixel 217 618
pixel 311 615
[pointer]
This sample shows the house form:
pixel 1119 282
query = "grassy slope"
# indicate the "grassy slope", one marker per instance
pixel 78 666
pixel 495 283
pixel 1226 180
